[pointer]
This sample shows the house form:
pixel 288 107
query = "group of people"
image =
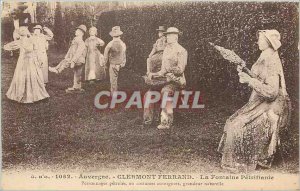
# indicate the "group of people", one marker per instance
pixel 251 135
pixel 86 54
pixel 31 73
pixel 167 59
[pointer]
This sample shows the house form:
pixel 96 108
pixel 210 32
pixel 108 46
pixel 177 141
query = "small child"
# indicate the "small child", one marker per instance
pixel 75 58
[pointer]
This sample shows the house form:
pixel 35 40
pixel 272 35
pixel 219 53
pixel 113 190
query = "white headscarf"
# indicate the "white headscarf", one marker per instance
pixel 273 36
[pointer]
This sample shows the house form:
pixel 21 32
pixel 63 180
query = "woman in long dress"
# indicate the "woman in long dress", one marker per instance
pixel 94 66
pixel 27 85
pixel 41 36
pixel 251 135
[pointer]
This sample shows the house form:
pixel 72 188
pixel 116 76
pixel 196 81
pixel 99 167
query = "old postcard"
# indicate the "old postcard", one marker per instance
pixel 150 95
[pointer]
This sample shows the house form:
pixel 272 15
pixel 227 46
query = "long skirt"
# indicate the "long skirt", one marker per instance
pixel 94 68
pixel 43 59
pixel 27 85
pixel 251 135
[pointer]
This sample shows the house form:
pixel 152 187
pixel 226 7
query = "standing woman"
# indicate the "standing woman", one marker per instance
pixel 251 134
pixel 41 36
pixel 27 85
pixel 94 65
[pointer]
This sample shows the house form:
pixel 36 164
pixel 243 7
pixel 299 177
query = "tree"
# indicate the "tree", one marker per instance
pixel 59 27
pixel 44 15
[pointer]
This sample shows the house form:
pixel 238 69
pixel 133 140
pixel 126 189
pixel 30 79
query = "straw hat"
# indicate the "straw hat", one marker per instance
pixel 273 36
pixel 115 31
pixel 82 28
pixel 172 30
pixel 38 27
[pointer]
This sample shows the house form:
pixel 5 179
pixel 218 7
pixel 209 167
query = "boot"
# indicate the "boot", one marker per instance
pixel 166 121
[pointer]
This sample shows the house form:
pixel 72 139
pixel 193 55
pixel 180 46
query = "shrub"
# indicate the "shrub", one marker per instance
pixel 59 28
pixel 7 28
pixel 232 25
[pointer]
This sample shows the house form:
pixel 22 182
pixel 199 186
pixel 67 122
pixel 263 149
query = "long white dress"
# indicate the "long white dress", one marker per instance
pixel 94 66
pixel 41 44
pixel 27 85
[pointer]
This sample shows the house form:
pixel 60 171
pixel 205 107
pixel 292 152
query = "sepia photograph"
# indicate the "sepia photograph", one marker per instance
pixel 150 95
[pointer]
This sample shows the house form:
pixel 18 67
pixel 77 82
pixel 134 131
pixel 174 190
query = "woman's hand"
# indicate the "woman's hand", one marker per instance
pixel 122 65
pixel 244 78
pixel 118 67
pixel 150 75
pixel 239 68
pixel 72 64
pixel 11 46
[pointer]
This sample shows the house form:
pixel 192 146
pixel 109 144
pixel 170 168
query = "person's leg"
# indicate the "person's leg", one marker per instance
pixel 60 67
pixel 113 75
pixel 111 78
pixel 92 67
pixel 166 116
pixel 77 77
pixel 166 119
pixel 148 110
pixel 149 65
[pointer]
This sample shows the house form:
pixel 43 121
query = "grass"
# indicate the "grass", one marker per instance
pixel 68 132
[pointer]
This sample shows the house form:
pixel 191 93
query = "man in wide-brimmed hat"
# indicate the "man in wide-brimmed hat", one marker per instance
pixel 174 61
pixel 75 58
pixel 115 55
pixel 154 61
pixel 41 36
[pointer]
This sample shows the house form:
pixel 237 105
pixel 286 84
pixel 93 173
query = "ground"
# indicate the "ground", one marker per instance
pixel 68 132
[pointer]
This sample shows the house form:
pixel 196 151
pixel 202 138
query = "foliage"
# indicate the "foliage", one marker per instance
pixel 77 14
pixel 44 14
pixel 7 28
pixel 231 25
pixel 59 28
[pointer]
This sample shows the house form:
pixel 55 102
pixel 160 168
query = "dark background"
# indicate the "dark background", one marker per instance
pixel 231 25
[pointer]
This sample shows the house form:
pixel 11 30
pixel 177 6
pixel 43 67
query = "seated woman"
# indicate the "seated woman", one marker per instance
pixel 251 134
pixel 27 85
